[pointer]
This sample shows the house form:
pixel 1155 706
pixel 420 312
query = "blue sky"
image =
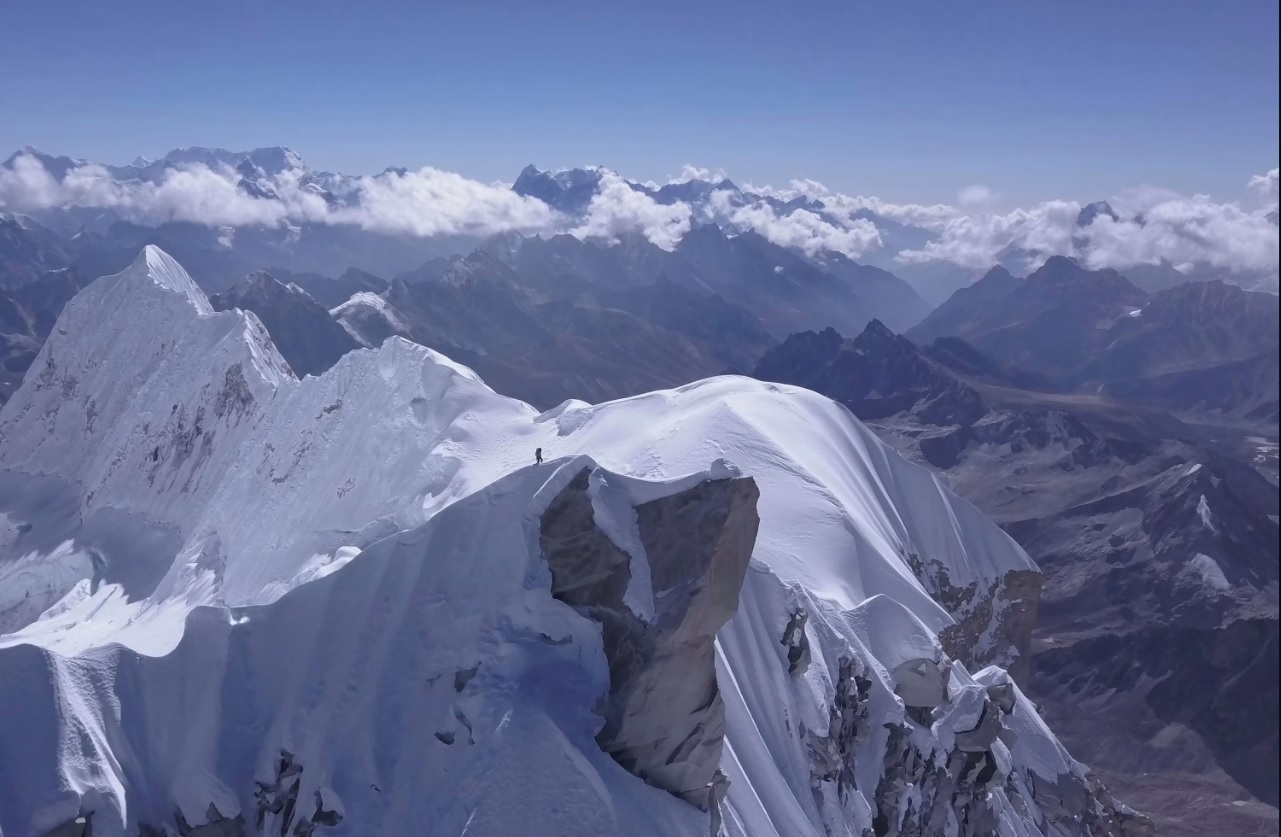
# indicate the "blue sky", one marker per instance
pixel 909 100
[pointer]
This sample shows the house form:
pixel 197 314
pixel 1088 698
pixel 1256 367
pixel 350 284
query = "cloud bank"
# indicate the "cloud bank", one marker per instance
pixel 427 202
pixel 1152 225
pixel 617 208
pixel 800 229
pixel 1155 226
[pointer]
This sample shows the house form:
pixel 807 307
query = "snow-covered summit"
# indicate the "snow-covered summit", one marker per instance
pixel 156 266
pixel 321 553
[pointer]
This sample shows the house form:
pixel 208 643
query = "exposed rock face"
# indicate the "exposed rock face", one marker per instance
pixel 276 811
pixel 925 792
pixel 994 625
pixel 922 683
pixel 833 756
pixel 664 716
pixel 798 645
pixel 216 825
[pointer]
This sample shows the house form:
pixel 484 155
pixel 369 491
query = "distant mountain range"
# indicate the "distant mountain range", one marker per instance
pixel 219 254
pixel 1202 346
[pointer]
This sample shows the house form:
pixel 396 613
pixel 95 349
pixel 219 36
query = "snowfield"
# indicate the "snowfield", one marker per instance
pixel 239 586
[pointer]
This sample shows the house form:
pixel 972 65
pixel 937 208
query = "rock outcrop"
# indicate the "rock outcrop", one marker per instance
pixel 797 643
pixel 664 716
pixel 833 756
pixel 927 791
pixel 993 625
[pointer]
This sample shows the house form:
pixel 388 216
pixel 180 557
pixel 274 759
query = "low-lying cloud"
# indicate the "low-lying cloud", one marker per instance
pixel 1181 231
pixel 427 202
pixel 617 208
pixel 850 208
pixel 798 229
pixel 1152 225
pixel 431 202
pixel 1266 185
pixel 974 241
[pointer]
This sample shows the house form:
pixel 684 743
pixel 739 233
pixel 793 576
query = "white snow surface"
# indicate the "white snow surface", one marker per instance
pixel 276 563
pixel 1203 512
pixel 1210 571
pixel 368 304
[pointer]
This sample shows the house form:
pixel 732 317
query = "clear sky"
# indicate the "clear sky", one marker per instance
pixel 910 100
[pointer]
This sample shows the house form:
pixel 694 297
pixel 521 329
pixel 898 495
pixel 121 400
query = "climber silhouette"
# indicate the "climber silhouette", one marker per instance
pixel 538 456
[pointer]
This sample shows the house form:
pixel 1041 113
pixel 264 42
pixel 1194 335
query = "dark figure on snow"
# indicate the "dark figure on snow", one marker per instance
pixel 538 456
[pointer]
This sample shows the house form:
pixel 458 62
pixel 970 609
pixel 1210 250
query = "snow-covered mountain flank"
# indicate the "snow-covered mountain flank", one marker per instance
pixel 233 601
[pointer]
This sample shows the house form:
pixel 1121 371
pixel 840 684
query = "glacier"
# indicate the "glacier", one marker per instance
pixel 231 600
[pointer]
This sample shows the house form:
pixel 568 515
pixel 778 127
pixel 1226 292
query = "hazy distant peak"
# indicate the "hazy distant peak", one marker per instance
pixel 1093 210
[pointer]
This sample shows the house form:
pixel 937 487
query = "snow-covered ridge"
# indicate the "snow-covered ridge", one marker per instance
pixel 192 421
pixel 308 560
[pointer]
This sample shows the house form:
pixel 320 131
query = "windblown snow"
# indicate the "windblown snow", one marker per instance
pixel 220 585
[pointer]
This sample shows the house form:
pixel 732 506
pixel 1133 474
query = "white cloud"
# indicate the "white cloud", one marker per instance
pixel 974 240
pixel 1266 185
pixel 1185 230
pixel 974 195
pixel 807 231
pixel 689 173
pixel 187 194
pixel 618 208
pixel 27 186
pixel 423 203
pixel 1155 224
pixel 431 202
pixel 847 206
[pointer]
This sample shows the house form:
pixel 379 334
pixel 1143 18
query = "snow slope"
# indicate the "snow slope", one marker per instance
pixel 244 563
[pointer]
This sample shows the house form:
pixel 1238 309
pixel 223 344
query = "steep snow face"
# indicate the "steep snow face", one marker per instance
pixel 417 687
pixel 433 683
pixel 392 502
pixel 193 424
pixel 127 354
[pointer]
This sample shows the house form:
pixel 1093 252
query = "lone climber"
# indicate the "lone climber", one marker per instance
pixel 538 456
